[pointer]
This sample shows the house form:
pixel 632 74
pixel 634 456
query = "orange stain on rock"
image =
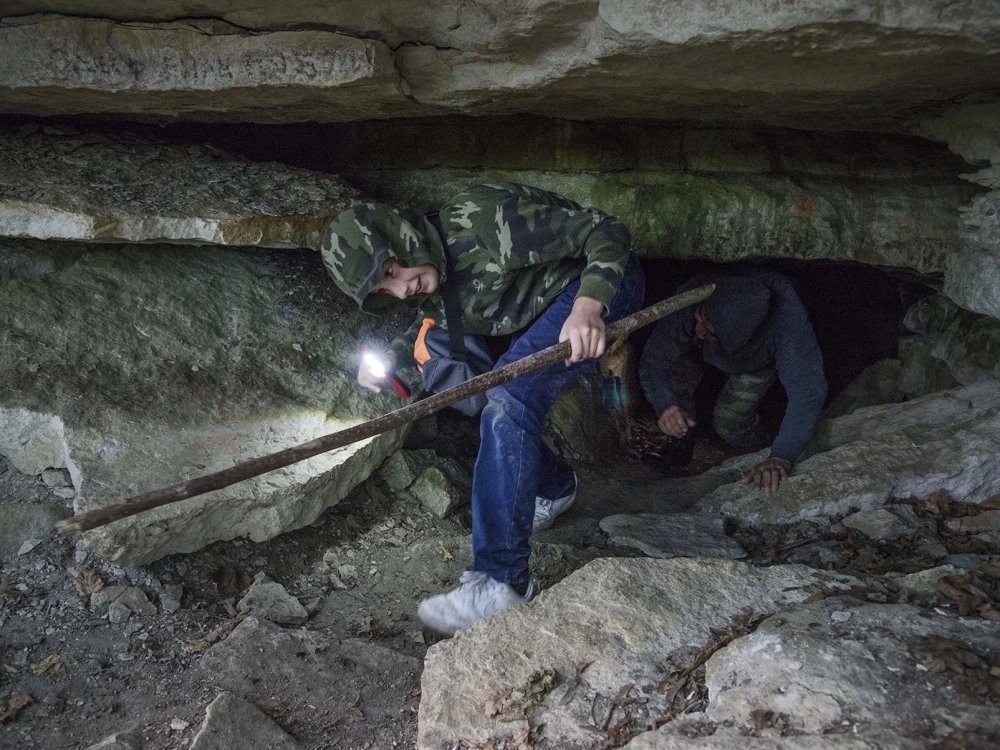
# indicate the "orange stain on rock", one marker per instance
pixel 805 207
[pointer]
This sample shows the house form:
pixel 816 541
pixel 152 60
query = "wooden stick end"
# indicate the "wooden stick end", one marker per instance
pixel 68 527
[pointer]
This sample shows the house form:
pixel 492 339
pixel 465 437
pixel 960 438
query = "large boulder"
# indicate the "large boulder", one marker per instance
pixel 844 64
pixel 871 675
pixel 945 441
pixel 138 367
pixel 606 626
pixel 58 184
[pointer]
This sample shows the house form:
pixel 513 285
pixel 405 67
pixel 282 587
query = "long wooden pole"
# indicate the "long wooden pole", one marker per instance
pixel 254 467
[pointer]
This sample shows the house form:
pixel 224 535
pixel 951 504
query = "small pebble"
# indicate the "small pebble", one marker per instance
pixel 840 616
pixel 179 725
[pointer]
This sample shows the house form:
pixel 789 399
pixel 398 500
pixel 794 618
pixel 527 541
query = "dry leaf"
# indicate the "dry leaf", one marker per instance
pixel 499 704
pixel 89 582
pixel 199 646
pixel 523 741
pixel 51 663
pixel 14 706
pixel 445 553
pixel 414 693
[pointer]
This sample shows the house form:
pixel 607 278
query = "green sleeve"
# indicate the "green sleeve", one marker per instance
pixel 576 231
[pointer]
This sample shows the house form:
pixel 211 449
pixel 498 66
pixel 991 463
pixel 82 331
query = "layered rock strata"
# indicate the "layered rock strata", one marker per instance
pixel 715 193
pixel 846 63
pixel 62 185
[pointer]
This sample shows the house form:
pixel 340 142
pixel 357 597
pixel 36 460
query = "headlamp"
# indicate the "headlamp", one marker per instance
pixel 376 366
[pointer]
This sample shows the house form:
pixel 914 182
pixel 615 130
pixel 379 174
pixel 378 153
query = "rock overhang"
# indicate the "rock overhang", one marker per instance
pixel 842 65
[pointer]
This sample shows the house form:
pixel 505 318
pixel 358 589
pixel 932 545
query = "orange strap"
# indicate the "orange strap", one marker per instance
pixel 420 353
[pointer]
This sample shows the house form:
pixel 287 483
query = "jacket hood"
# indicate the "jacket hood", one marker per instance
pixel 360 240
pixel 738 309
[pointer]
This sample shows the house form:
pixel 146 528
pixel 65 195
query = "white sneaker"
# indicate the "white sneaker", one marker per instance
pixel 546 511
pixel 476 597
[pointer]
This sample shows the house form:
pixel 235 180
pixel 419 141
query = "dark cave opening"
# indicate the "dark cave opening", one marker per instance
pixel 855 310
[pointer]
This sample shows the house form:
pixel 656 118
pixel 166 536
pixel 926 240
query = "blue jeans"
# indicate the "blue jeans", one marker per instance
pixel 514 465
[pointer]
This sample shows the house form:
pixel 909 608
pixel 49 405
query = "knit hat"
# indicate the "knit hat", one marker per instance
pixel 737 309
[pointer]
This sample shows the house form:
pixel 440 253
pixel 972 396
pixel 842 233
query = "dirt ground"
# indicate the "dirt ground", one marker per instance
pixel 144 675
pixel 362 568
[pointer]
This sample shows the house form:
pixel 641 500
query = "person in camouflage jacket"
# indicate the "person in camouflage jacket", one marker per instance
pixel 520 261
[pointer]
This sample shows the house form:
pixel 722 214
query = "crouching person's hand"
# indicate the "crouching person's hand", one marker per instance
pixel 584 329
pixel 674 422
pixel 768 474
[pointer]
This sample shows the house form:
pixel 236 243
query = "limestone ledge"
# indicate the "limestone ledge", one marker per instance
pixel 729 217
pixel 941 442
pixel 60 184
pixel 850 64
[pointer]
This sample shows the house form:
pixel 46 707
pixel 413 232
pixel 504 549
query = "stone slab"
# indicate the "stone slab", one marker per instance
pixel 59 184
pixel 673 535
pixel 818 668
pixel 945 441
pixel 619 616
pixel 843 64
pixel 203 69
pixel 135 368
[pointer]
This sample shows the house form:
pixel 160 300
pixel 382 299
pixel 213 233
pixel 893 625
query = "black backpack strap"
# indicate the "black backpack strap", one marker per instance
pixel 449 294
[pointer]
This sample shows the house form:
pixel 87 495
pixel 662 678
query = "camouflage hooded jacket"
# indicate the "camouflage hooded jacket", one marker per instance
pixel 512 248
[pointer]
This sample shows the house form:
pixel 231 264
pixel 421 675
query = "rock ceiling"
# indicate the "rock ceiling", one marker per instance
pixel 827 64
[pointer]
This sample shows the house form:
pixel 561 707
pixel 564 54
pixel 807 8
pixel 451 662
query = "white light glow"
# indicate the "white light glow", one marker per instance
pixel 374 365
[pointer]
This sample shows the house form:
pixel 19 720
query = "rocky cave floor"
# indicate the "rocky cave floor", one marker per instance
pixel 76 671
